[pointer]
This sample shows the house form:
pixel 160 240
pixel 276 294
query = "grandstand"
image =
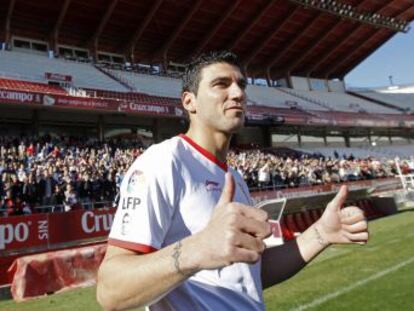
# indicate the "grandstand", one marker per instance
pixel 276 97
pixel 32 67
pixel 132 72
pixel 102 77
pixel 341 101
pixel 400 97
pixel 151 84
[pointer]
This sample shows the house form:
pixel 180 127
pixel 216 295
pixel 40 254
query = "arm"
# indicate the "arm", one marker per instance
pixel 126 279
pixel 336 226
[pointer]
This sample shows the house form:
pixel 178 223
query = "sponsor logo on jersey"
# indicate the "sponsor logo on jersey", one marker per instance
pixel 125 224
pixel 137 177
pixel 212 185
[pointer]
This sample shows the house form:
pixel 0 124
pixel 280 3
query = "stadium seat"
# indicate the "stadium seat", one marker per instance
pixel 315 214
pixel 31 86
pixel 32 67
pixel 287 233
pixel 340 101
pixel 369 210
pixel 151 84
pixel 134 96
pixel 300 222
pixel 306 215
pixel 400 100
pixel 291 224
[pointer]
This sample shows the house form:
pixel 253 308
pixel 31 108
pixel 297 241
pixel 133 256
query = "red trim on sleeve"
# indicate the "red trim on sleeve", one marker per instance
pixel 132 246
pixel 204 152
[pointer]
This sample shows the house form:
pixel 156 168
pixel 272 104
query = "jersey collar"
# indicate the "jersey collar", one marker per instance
pixel 204 152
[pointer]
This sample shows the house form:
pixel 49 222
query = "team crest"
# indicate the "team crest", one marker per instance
pixel 137 177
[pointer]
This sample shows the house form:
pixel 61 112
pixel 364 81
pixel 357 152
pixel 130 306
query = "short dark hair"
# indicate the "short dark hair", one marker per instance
pixel 192 73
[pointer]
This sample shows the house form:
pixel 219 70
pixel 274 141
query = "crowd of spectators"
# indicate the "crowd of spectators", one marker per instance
pixel 61 174
pixel 263 170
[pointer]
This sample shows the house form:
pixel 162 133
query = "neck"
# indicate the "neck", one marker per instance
pixel 217 143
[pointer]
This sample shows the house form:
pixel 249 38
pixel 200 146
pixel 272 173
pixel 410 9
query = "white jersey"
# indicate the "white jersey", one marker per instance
pixel 169 193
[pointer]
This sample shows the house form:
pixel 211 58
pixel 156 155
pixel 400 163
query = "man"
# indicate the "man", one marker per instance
pixel 185 236
pixel 46 185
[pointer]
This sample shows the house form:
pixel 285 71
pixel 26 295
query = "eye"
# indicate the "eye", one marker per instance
pixel 221 84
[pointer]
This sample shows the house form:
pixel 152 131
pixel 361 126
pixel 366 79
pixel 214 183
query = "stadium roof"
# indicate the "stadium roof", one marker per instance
pixel 276 36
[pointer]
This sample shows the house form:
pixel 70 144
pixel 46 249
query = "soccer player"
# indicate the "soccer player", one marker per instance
pixel 185 235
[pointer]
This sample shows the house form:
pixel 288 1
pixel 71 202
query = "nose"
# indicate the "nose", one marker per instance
pixel 237 93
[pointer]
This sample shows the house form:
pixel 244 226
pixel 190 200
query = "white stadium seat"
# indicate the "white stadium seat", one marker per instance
pixel 32 67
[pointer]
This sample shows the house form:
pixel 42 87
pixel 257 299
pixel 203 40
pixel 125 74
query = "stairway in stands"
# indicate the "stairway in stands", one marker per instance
pixel 115 77
pixel 314 101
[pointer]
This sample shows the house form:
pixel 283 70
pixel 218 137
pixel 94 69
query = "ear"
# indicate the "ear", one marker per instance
pixel 189 102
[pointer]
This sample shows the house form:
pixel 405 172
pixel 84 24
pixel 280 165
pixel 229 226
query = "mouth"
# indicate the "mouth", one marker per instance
pixel 235 108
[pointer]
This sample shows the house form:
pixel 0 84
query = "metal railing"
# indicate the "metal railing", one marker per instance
pixel 61 208
pixel 407 180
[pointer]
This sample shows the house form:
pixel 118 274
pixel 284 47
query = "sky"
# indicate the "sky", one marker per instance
pixel 394 58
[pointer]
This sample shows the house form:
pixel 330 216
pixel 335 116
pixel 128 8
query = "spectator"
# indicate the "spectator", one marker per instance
pixel 57 198
pixel 71 201
pixel 46 185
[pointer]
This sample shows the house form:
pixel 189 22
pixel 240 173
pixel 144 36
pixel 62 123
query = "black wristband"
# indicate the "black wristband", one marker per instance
pixel 281 262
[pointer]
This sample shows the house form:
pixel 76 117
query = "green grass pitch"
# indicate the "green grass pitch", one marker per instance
pixel 378 276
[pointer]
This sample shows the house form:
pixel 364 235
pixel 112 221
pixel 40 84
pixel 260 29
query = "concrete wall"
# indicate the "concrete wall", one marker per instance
pixel 300 83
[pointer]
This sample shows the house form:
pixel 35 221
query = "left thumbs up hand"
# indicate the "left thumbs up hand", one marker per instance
pixel 342 226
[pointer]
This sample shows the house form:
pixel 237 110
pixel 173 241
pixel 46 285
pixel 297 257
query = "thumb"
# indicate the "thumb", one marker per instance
pixel 228 189
pixel 340 198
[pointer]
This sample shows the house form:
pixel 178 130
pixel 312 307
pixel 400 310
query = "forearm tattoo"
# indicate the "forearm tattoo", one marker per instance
pixel 319 238
pixel 176 256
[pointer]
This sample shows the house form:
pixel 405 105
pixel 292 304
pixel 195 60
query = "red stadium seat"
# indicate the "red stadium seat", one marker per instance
pixel 291 224
pixel 139 97
pixel 315 214
pixel 300 222
pixel 287 233
pixel 308 218
pixel 31 86
pixel 368 208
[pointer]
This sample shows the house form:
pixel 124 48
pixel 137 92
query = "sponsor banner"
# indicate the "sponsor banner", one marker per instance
pixel 22 232
pixel 88 103
pixel 20 97
pixel 156 109
pixel 79 225
pixel 79 102
pixel 321 121
pixel 42 231
pixel 58 77
pixel 254 116
pixel 256 113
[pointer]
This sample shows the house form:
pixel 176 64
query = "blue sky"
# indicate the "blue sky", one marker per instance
pixel 395 58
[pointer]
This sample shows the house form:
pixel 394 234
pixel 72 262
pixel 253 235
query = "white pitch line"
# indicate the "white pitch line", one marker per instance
pixel 378 275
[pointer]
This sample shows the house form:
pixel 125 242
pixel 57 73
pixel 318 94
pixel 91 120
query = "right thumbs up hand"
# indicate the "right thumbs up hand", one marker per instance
pixel 235 232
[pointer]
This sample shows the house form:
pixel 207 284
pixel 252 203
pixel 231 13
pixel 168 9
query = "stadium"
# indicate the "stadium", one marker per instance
pixel 87 86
